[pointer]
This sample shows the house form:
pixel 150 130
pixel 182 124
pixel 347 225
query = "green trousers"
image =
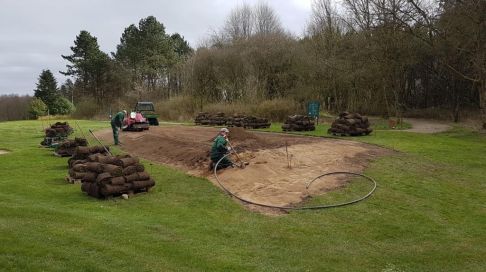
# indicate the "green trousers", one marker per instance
pixel 224 162
pixel 115 132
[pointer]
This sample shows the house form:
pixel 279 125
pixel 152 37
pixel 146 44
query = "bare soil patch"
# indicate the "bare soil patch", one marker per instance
pixel 3 151
pixel 267 179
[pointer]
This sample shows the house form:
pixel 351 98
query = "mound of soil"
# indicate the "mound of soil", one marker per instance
pixel 245 140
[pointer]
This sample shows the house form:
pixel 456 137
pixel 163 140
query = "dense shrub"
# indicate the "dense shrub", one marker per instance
pixel 62 106
pixel 37 108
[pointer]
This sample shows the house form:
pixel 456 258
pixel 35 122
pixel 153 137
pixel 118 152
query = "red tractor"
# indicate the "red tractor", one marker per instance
pixel 135 122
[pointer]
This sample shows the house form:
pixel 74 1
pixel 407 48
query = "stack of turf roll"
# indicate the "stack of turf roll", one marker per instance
pixel 255 122
pixel 217 119
pixel 83 153
pixel 299 123
pixel 202 118
pixel 59 129
pixel 56 133
pixel 352 124
pixel 104 176
pixel 67 147
pixel 237 120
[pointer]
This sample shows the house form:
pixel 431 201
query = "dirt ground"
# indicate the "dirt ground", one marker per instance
pixel 3 152
pixel 267 179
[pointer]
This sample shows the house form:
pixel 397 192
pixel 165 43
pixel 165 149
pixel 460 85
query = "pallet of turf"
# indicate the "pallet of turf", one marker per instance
pixel 82 153
pixel 56 133
pixel 350 124
pixel 207 119
pixel 67 147
pixel 218 119
pixel 237 120
pixel 106 176
pixel 299 123
pixel 255 122
pixel 202 118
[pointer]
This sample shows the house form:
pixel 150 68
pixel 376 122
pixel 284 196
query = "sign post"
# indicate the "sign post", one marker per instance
pixel 313 110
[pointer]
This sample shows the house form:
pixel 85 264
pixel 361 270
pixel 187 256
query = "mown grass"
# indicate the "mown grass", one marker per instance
pixel 428 214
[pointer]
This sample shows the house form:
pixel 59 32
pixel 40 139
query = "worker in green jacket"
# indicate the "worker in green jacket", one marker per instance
pixel 117 123
pixel 219 149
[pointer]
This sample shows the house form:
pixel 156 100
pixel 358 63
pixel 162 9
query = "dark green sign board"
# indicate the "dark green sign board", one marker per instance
pixel 313 109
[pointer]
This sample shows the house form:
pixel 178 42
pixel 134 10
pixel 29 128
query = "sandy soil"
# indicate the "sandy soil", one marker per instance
pixel 3 151
pixel 267 179
pixel 426 126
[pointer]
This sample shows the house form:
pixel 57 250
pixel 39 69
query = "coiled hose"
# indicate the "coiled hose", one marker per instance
pixel 307 187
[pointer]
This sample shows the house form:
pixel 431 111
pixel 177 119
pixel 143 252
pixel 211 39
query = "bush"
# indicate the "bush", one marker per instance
pixel 278 109
pixel 61 106
pixel 180 108
pixel 37 108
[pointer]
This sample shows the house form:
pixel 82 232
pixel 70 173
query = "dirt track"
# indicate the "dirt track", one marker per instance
pixel 267 179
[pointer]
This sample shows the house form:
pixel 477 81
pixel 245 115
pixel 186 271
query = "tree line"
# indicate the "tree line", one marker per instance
pixel 146 63
pixel 384 57
pixel 371 56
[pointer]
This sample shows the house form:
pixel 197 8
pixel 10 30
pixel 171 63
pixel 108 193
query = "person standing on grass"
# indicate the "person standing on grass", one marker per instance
pixel 219 149
pixel 117 123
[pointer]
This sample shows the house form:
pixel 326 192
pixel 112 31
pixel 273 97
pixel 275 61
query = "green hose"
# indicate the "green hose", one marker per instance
pixel 307 187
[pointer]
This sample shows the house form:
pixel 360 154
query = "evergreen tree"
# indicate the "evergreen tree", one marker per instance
pixel 47 88
pixel 67 90
pixel 180 46
pixel 147 51
pixel 89 66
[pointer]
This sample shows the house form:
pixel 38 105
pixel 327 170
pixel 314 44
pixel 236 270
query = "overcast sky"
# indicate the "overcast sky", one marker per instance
pixel 35 33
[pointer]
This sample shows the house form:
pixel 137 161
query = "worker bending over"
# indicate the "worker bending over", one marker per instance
pixel 117 123
pixel 219 149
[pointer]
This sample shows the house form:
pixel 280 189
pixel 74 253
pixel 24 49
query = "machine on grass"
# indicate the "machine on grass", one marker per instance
pixel 147 110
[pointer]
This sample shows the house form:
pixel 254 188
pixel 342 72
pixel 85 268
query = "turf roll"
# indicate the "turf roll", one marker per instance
pixel 118 180
pixel 140 184
pixel 114 170
pixel 129 161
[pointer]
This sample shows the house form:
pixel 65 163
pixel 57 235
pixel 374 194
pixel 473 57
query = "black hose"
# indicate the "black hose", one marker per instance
pixel 308 185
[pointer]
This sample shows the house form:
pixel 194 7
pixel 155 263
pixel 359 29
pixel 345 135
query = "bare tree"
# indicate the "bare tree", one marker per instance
pixel 239 24
pixel 456 32
pixel 360 14
pixel 265 20
pixel 14 107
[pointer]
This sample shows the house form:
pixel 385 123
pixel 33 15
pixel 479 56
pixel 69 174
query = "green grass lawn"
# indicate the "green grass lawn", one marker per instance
pixel 428 214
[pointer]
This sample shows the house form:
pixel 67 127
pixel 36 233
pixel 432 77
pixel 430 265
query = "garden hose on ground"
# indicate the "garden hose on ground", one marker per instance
pixel 308 185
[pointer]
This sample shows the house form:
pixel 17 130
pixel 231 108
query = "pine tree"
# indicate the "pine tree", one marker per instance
pixel 89 66
pixel 47 88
